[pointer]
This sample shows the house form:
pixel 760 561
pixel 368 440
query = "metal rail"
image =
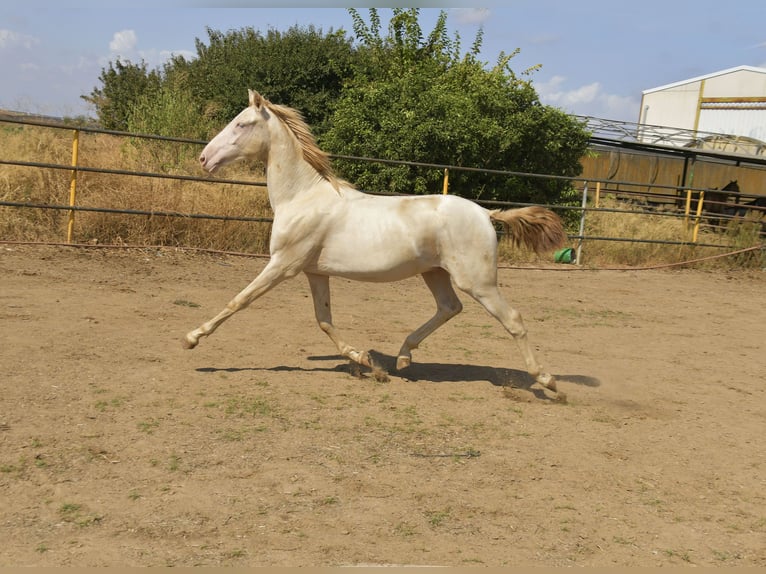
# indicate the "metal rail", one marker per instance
pixel 75 168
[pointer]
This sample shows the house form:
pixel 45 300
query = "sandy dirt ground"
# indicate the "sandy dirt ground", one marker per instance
pixel 264 447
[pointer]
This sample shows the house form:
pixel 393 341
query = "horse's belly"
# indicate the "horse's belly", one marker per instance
pixel 379 239
pixel 383 265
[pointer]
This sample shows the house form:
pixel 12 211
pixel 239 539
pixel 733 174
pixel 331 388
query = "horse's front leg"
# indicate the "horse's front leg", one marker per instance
pixel 320 292
pixel 273 274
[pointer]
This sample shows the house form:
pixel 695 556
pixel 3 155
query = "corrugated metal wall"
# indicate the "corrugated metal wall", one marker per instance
pixel 742 119
pixel 619 165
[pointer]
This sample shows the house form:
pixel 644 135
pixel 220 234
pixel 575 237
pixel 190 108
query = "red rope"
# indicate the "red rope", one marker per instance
pixel 563 267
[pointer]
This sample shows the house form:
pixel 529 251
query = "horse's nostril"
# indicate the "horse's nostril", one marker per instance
pixel 202 159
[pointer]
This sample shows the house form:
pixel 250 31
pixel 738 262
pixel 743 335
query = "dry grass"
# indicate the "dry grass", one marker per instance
pixel 662 227
pixel 52 186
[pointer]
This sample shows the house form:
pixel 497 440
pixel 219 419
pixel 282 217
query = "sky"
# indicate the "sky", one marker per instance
pixel 595 56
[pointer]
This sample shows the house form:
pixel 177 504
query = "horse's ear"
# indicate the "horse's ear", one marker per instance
pixel 256 99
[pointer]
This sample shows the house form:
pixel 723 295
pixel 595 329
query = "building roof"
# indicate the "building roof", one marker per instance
pixel 706 76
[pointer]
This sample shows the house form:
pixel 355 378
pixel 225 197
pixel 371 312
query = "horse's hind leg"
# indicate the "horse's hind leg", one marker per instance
pixel 510 318
pixel 447 306
pixel 320 292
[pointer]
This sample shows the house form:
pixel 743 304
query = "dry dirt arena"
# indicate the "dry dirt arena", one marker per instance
pixel 264 447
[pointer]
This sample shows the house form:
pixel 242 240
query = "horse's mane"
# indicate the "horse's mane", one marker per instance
pixel 316 157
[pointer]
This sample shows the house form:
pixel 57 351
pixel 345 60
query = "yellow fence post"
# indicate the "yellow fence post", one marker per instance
pixel 598 194
pixel 697 221
pixel 687 209
pixel 446 181
pixel 73 185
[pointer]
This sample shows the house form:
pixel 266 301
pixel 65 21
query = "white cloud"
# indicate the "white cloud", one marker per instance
pixel 471 15
pixel 553 93
pixel 587 100
pixel 582 95
pixel 551 85
pixel 124 45
pixel 11 39
pixel 625 108
pixel 123 42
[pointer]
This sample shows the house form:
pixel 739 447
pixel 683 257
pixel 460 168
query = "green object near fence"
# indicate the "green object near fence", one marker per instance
pixel 566 255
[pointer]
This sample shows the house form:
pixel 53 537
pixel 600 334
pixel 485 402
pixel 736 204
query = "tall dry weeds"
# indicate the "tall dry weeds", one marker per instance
pixel 659 228
pixel 128 192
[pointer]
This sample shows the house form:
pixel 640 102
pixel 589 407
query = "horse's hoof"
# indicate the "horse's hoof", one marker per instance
pixel 188 343
pixel 364 359
pixel 547 380
pixel 403 362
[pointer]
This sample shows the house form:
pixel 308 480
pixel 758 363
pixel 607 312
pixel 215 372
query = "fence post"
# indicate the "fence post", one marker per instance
pixel 73 185
pixel 598 194
pixel 687 209
pixel 446 181
pixel 698 217
pixel 582 221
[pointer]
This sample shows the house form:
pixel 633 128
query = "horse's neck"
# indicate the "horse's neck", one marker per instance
pixel 288 174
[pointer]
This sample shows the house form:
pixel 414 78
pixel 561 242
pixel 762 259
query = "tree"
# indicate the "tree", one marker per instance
pixel 124 83
pixel 302 68
pixel 168 111
pixel 415 97
pixel 403 95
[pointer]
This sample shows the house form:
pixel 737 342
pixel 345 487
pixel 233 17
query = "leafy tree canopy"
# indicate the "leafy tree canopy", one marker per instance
pixel 415 97
pixel 302 68
pixel 402 94
pixel 123 84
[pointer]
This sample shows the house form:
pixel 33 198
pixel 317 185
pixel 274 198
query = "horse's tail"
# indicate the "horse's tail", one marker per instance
pixel 534 227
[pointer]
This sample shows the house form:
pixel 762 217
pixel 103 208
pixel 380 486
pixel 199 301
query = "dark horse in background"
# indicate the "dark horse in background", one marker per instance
pixel 716 203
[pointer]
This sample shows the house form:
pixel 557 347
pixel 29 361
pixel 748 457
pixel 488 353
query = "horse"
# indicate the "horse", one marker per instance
pixel 717 204
pixel 742 209
pixel 323 226
pixel 717 201
pixel 754 210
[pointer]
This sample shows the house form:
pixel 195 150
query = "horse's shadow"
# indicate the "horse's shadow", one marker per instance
pixel 431 372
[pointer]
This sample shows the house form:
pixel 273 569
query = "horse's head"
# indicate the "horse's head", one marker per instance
pixel 245 137
pixel 731 186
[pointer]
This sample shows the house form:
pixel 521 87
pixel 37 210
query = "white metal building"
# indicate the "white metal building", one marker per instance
pixel 731 102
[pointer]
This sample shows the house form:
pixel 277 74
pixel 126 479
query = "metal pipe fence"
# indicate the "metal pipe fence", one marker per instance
pixel 592 190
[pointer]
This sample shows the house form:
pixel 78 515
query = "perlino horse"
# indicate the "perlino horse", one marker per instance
pixel 324 227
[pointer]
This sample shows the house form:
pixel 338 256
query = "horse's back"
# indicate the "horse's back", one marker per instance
pixel 423 219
